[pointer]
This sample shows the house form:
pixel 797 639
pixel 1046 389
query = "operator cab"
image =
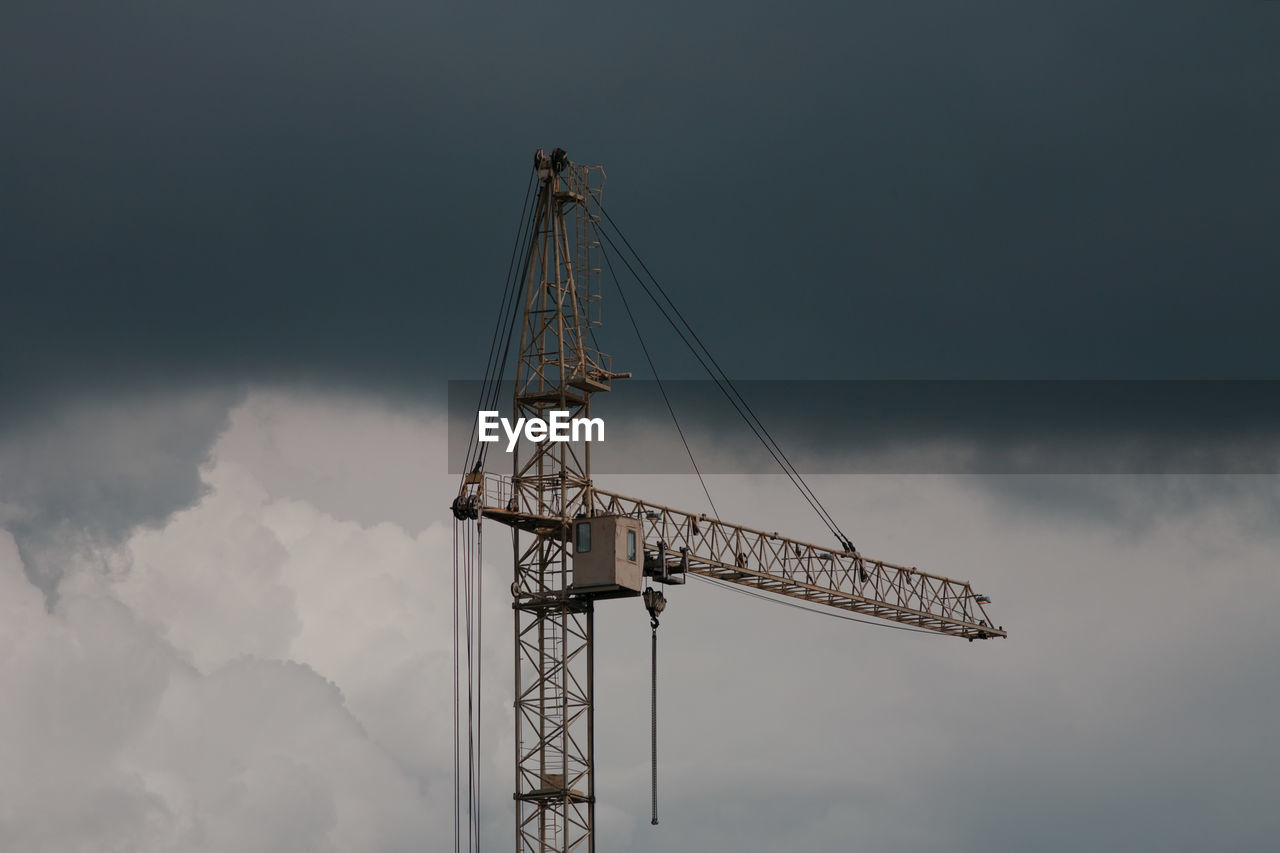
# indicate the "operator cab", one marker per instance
pixel 608 556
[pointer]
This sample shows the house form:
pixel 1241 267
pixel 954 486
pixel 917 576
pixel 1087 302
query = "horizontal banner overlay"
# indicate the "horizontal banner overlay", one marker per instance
pixel 913 427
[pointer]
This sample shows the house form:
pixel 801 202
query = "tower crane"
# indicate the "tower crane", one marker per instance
pixel 576 544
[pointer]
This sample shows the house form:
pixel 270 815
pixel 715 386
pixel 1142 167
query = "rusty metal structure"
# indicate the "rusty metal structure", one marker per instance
pixel 550 492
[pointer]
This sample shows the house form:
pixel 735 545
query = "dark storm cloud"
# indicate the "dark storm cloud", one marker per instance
pixel 79 478
pixel 329 191
pixel 919 427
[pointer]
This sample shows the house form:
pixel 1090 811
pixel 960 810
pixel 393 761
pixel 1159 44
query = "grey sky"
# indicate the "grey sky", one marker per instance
pixel 244 245
pixel 976 190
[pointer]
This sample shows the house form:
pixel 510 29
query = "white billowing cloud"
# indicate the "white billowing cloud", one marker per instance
pixel 259 568
pixel 264 755
pixel 78 684
pixel 1133 684
pixel 210 580
pixel 269 669
pixel 112 742
pixel 255 674
pixel 353 458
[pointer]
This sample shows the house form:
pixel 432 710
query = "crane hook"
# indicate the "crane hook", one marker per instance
pixel 655 602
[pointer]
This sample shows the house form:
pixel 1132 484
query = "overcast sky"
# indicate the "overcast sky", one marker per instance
pixel 244 246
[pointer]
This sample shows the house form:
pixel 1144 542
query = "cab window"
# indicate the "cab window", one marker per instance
pixel 583 542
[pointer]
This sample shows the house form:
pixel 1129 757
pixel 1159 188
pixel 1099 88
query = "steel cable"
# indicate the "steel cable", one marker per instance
pixel 653 728
pixel 755 426
pixel 507 309
pixel 661 388
pixel 726 384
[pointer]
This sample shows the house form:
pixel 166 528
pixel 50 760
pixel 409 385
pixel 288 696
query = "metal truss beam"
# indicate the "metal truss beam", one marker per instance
pixel 846 580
